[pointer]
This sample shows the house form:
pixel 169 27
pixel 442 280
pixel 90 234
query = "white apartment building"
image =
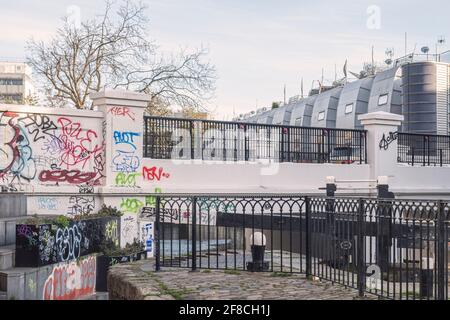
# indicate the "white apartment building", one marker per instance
pixel 15 81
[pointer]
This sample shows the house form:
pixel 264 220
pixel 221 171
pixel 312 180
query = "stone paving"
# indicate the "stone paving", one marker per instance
pixel 138 281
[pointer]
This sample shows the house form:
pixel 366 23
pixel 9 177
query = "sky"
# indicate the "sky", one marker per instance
pixel 257 47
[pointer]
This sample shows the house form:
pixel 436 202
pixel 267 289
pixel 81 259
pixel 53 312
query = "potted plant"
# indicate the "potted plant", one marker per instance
pixel 112 254
pixel 42 241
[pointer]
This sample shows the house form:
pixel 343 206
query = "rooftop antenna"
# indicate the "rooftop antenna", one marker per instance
pixel 335 73
pixel 301 88
pixel 441 41
pixel 322 77
pixel 406 44
pixel 425 50
pixel 389 55
pixel 373 63
pixel 284 93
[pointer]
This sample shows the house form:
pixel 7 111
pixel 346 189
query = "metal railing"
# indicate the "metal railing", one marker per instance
pixel 395 249
pixel 171 138
pixel 423 149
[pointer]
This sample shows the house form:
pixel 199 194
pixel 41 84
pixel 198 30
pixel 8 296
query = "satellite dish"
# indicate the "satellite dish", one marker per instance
pixel 425 50
pixel 388 61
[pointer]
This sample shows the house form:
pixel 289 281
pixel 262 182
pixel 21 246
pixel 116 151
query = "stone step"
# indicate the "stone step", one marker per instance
pixel 2 295
pixel 97 296
pixel 7 257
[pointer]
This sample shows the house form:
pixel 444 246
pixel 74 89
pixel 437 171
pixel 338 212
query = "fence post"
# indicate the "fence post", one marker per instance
pixel 193 142
pixel 157 235
pixel 308 237
pixel 442 252
pixel 360 249
pixel 194 233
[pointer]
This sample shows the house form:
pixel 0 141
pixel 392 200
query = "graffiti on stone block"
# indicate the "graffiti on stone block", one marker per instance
pixel 112 232
pixel 69 281
pixel 122 112
pixel 47 203
pixel 126 179
pixel 81 205
pixel 154 173
pixel 126 137
pixel 125 161
pixel 48 149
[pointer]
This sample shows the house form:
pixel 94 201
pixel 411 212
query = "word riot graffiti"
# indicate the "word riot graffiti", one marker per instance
pixel 126 137
pixel 122 111
pixel 126 179
pixel 72 280
pixel 154 173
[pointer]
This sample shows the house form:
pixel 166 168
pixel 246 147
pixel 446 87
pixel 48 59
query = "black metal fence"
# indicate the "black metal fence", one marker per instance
pixel 395 249
pixel 423 149
pixel 171 138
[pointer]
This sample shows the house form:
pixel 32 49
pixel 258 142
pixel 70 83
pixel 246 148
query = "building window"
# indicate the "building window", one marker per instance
pixel 298 122
pixel 349 108
pixel 383 99
pixel 321 116
pixel 14 97
pixel 11 82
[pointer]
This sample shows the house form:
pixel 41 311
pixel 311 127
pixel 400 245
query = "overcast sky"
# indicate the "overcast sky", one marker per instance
pixel 256 46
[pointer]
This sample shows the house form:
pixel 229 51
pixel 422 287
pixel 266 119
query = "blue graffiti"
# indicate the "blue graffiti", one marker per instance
pixel 125 137
pixel 125 161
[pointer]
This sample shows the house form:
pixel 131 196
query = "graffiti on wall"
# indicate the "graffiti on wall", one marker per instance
pixel 72 280
pixel 48 149
pixel 53 244
pixel 122 112
pixel 154 173
pixel 146 236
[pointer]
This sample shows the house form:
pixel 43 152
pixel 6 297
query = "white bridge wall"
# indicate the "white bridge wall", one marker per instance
pixel 73 161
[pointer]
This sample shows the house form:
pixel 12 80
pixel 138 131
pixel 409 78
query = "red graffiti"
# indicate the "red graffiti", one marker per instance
pixel 154 173
pixel 71 281
pixel 72 176
pixel 122 111
pixel 79 144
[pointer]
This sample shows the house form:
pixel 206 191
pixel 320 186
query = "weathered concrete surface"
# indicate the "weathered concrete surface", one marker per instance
pixel 135 281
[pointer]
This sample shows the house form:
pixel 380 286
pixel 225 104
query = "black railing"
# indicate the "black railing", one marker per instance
pixel 423 149
pixel 395 249
pixel 171 138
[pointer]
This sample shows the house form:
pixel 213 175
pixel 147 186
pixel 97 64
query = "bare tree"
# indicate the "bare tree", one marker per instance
pixel 113 50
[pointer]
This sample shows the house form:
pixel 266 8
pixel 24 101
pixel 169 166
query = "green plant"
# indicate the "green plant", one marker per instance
pixel 109 248
pixel 62 221
pixel 109 211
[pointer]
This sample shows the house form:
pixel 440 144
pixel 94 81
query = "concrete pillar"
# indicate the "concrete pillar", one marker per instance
pixel 381 142
pixel 123 131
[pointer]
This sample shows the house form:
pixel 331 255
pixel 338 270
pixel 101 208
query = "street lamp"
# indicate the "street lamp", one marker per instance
pixel 258 241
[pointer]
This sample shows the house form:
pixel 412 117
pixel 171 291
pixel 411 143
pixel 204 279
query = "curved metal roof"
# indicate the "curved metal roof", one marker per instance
pixel 302 112
pixel 325 107
pixel 354 100
pixel 386 94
